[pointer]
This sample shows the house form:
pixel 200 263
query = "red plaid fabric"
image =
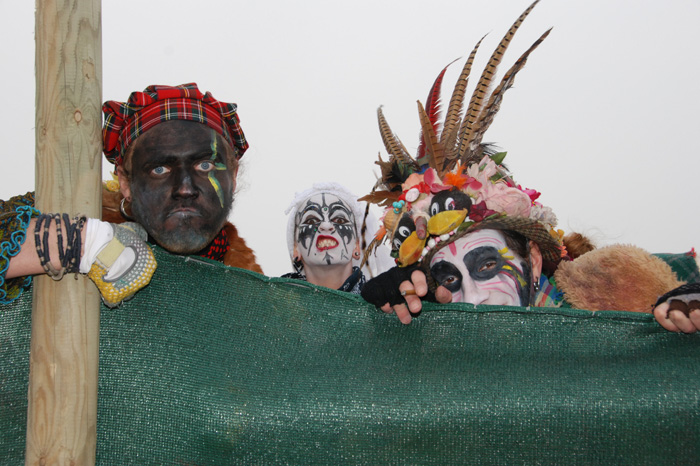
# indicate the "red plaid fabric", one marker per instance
pixel 125 121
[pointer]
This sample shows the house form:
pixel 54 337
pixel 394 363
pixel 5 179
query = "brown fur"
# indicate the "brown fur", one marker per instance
pixel 577 245
pixel 618 277
pixel 110 206
pixel 240 255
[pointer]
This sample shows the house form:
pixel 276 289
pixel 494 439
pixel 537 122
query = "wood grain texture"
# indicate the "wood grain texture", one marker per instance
pixel 62 414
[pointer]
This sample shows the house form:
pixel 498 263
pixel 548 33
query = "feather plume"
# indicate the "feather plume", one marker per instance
pixel 434 148
pixel 481 90
pixel 432 106
pixel 450 146
pixel 394 173
pixel 392 143
pixel 459 141
pixel 496 98
pixel 371 248
pixel 381 197
pixel 454 110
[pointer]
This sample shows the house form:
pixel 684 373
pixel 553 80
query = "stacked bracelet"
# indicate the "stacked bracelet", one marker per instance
pixel 69 257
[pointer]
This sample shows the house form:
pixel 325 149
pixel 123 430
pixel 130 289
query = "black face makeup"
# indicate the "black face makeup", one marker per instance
pixel 480 269
pixel 484 263
pixel 325 228
pixel 182 184
pixel 446 274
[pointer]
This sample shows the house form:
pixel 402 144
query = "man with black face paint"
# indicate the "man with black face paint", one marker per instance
pixel 176 154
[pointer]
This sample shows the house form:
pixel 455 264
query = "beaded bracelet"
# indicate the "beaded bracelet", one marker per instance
pixel 68 257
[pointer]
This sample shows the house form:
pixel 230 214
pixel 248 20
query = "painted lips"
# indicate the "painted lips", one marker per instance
pixel 326 242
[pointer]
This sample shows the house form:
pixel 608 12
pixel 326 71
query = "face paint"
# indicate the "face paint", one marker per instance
pixel 172 192
pixel 479 268
pixel 217 167
pixel 325 231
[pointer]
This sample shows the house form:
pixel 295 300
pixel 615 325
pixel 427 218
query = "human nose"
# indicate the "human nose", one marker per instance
pixel 326 227
pixel 185 186
pixel 473 293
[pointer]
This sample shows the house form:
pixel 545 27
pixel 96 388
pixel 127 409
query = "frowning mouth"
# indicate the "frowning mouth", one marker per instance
pixel 184 212
pixel 326 242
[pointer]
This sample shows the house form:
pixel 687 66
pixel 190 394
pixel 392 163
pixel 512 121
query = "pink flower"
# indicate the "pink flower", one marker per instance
pixel 530 192
pixel 507 200
pixel 480 174
pixel 498 195
pixel 478 212
pixel 431 178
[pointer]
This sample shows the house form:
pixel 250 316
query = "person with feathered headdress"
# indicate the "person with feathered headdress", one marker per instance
pixel 461 229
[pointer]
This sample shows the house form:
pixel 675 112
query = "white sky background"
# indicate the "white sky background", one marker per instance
pixel 603 120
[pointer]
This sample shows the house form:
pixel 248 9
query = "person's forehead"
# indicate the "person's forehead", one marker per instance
pixel 480 238
pixel 469 242
pixel 326 199
pixel 175 134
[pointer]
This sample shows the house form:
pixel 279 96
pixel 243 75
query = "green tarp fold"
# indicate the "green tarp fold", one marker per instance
pixel 213 366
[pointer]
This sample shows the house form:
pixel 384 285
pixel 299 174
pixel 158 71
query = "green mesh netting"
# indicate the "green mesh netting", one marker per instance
pixel 214 366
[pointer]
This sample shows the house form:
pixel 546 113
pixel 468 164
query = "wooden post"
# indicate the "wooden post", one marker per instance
pixel 62 414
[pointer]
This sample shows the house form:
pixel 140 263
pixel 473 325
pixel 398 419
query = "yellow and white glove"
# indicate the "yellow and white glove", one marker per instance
pixel 117 258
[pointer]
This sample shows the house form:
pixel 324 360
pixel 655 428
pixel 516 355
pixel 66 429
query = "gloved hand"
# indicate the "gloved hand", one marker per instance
pixel 117 259
pixel 384 288
pixel 686 300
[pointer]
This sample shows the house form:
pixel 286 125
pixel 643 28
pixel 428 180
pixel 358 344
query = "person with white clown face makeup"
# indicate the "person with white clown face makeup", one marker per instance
pixel 462 230
pixel 324 237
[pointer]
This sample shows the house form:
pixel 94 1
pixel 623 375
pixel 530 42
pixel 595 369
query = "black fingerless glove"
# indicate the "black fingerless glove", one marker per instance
pixel 684 298
pixel 384 288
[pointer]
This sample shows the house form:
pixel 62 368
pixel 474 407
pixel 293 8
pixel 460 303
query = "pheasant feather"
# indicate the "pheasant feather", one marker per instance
pixel 435 151
pixel 481 90
pixel 494 103
pixel 392 143
pixel 454 110
pixel 459 139
pixel 432 106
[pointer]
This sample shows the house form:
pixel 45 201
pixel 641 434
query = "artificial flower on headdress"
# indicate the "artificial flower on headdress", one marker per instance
pixel 457 184
pixel 460 180
pixel 498 195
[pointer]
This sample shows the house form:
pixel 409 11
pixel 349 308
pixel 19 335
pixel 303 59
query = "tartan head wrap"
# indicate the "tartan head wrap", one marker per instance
pixel 125 121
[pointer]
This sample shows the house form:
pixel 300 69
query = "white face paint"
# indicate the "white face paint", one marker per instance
pixel 325 231
pixel 479 268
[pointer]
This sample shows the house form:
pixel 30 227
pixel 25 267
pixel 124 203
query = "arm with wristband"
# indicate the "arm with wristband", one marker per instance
pixel 115 257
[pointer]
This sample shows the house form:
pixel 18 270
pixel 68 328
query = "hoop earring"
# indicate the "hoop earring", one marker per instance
pixel 123 211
